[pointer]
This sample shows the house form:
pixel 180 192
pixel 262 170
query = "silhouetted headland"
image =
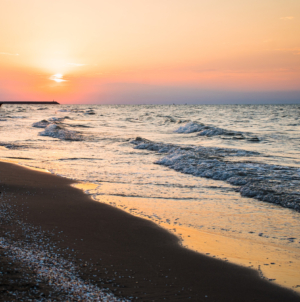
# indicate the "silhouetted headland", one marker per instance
pixel 29 103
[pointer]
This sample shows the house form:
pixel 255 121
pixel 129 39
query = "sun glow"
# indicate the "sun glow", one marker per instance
pixel 58 78
pixel 192 45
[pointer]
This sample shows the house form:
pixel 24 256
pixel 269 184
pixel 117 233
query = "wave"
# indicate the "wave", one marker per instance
pixel 51 120
pixel 209 131
pixel 13 146
pixel 17 157
pixel 56 131
pixel 90 112
pixel 41 124
pixel 9 116
pixel 79 126
pixel 64 110
pixel 270 183
pixel 80 158
pixel 57 119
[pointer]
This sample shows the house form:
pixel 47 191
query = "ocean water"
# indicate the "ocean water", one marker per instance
pixel 225 179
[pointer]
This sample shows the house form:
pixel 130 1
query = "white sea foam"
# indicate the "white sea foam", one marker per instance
pixel 205 130
pixel 57 131
pixel 270 183
pixel 190 128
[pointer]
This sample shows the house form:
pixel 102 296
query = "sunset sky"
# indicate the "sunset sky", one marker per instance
pixel 150 51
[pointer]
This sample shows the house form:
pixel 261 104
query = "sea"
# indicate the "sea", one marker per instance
pixel 225 179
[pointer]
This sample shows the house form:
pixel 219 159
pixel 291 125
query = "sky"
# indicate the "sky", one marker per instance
pixel 150 51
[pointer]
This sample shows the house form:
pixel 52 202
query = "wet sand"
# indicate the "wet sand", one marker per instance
pixel 275 260
pixel 142 259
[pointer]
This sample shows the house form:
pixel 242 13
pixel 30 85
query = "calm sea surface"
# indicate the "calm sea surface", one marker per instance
pixel 226 179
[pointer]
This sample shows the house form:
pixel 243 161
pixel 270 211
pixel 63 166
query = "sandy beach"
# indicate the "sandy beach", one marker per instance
pixel 149 151
pixel 130 257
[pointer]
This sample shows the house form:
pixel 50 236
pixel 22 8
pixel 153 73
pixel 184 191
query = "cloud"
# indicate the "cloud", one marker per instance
pixel 76 64
pixel 287 18
pixel 9 54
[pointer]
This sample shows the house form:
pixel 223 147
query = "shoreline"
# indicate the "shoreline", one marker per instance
pixel 274 262
pixel 160 266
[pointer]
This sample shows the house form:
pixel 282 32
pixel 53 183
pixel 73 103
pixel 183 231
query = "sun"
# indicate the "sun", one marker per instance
pixel 58 78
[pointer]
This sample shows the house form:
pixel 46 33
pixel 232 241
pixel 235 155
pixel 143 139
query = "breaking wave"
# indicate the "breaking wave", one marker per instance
pixel 41 124
pixel 90 112
pixel 56 131
pixel 265 182
pixel 209 131
pixel 51 120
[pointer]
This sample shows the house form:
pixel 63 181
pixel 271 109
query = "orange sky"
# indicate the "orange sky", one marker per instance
pixel 130 51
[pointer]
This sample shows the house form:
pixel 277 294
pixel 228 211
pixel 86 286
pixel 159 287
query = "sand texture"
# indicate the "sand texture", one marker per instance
pixel 128 256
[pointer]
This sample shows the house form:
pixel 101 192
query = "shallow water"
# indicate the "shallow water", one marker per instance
pixel 223 178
